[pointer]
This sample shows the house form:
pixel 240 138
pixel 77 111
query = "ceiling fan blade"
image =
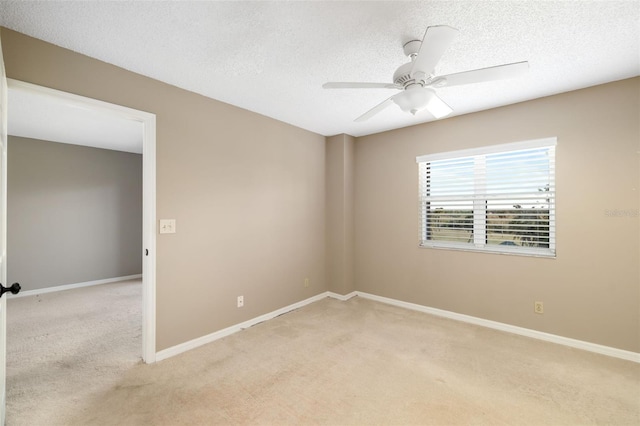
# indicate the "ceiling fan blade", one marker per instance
pixel 436 106
pixel 498 72
pixel 348 85
pixel 436 40
pixel 376 109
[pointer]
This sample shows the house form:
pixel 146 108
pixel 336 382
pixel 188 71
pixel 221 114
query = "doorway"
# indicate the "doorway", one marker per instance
pixel 148 122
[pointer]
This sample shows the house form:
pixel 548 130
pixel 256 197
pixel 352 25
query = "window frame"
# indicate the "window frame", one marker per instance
pixel 480 204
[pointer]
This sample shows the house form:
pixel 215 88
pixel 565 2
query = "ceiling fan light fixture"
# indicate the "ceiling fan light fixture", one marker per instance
pixel 412 99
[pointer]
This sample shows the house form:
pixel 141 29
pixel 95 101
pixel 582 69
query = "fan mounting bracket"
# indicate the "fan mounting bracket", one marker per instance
pixel 411 48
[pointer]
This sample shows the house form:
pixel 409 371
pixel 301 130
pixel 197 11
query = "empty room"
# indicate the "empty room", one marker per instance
pixel 350 213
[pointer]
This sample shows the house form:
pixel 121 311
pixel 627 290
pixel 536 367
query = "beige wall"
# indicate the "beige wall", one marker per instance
pixel 591 291
pixel 74 213
pixel 340 162
pixel 247 192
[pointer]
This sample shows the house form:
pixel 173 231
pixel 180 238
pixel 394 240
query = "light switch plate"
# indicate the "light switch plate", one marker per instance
pixel 167 226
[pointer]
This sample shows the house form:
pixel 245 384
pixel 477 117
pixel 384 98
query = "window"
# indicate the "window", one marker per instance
pixel 498 198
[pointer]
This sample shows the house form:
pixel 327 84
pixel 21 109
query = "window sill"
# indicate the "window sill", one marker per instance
pixel 519 251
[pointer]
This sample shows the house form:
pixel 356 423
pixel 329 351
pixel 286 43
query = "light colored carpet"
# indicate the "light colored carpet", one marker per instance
pixel 63 347
pixel 361 363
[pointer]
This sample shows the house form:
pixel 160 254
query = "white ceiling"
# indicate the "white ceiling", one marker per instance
pixel 273 57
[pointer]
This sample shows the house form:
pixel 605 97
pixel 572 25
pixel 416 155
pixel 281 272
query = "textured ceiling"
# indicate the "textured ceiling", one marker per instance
pixel 273 57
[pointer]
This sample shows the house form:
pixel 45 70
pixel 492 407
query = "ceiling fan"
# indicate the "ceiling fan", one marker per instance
pixel 417 81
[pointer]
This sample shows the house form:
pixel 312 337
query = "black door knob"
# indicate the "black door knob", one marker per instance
pixel 14 289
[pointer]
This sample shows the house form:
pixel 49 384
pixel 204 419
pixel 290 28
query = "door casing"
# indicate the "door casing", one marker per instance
pixel 148 121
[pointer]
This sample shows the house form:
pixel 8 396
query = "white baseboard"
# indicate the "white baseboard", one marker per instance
pixel 574 343
pixel 340 296
pixel 72 286
pixel 192 344
pixel 579 344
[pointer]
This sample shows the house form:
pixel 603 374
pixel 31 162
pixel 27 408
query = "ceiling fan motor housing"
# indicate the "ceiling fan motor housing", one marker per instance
pixel 402 76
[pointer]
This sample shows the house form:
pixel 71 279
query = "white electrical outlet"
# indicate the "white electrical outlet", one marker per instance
pixel 240 301
pixel 306 282
pixel 538 308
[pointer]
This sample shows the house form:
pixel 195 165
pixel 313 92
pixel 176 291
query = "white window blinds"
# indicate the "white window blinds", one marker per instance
pixel 499 198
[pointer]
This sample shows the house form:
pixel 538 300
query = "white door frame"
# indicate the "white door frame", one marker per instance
pixel 4 92
pixel 148 121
